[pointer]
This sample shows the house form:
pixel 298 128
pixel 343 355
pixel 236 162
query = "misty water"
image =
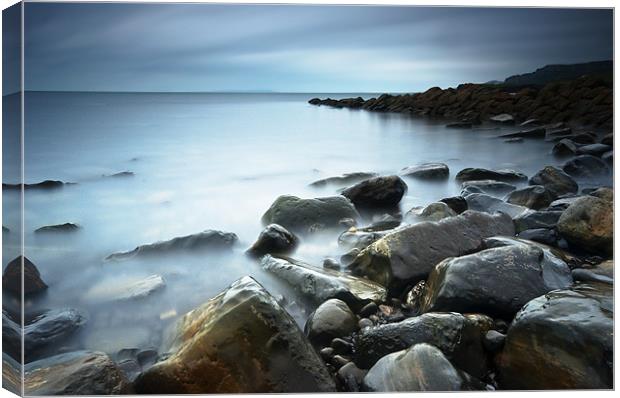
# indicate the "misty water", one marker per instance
pixel 202 161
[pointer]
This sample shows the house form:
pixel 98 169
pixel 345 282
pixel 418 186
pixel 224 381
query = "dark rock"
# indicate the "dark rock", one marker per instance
pixel 243 332
pixel 584 138
pixel 274 239
pixel 588 224
pixel 44 185
pixel 300 215
pixel 66 227
pixel 490 186
pixel 75 373
pixel 585 166
pixel 585 275
pixel 477 174
pixel 365 323
pixel 327 353
pixel 489 204
pixel 130 368
pixel 121 174
pixel 608 140
pixel 332 319
pixel 49 329
pixel 496 281
pixel 330 263
pixel 207 241
pixel 459 125
pixel 12 278
pixel 542 235
pixel 320 285
pixel 538 132
pixel 408 255
pixel 351 377
pixel 427 171
pixel 433 212
pixel 594 149
pixel 551 254
pixel 562 204
pixel 555 180
pixel 341 346
pixel 564 147
pixel 608 157
pixel 562 340
pixel 458 336
pixel 530 122
pixel 493 341
pixel 376 192
pixel 368 310
pixel 456 203
pixel 343 180
pixel 339 361
pixel 534 196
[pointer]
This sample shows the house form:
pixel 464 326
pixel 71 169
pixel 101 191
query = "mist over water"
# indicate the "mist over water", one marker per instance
pixel 204 161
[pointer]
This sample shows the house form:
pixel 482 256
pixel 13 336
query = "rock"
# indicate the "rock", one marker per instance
pixel 359 238
pixel 493 341
pixel 604 193
pixel 542 235
pixel 120 174
pixel 565 147
pixel 368 310
pixel 421 367
pixel 339 361
pixel 242 332
pixel 536 220
pixel 44 185
pixel 347 258
pixel 608 157
pixel 535 197
pixel 342 346
pixel 365 323
pixel 594 149
pixel 75 373
pixel 489 204
pixel 274 239
pixel 606 268
pixel 125 290
pixel 584 138
pixel 408 255
pixel 496 281
pixel 207 241
pixel 327 353
pixel 537 132
pixel 588 225
pixel 608 140
pixel 343 180
pixel 433 212
pixel 376 192
pixel 555 180
pixel 427 171
pixel 66 227
pixel 319 285
pixel 458 336
pixel 330 263
pixel 562 204
pixel 585 275
pixel 11 337
pixel 477 174
pixel 561 340
pixel 503 118
pixel 351 376
pixel 332 319
pixel 490 186
pixel 50 329
pixel 299 215
pixel 12 278
pixel 456 203
pixel 551 254
pixel 585 166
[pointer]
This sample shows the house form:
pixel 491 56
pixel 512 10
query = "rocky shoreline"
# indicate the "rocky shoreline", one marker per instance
pixel 507 286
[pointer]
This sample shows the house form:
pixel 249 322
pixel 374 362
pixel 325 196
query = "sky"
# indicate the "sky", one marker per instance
pixel 210 47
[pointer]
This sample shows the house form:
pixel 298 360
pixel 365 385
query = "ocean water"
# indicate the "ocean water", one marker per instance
pixel 201 161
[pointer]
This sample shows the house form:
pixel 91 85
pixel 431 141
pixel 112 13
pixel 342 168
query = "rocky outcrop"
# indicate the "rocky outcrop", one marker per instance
pixel 240 341
pixel 427 171
pixel 12 278
pixel 408 255
pixel 274 239
pixel 376 192
pixel 588 224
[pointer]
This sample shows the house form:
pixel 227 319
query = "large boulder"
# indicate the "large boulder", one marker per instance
pixel 456 203
pixel 534 196
pixel 427 171
pixel 207 241
pixel 561 340
pixel 274 239
pixel 555 180
pixel 585 166
pixel 343 180
pixel 12 278
pixel 588 224
pixel 490 204
pixel 496 281
pixel 75 373
pixel 458 336
pixel 406 256
pixel 240 341
pixel 319 285
pixel 421 367
pixel 376 192
pixel 477 174
pixel 330 320
pixel 307 215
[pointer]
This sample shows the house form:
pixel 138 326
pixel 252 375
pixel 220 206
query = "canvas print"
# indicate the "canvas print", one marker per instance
pixel 231 198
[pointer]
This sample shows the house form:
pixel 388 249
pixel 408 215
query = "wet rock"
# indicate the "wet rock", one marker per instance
pixel 561 340
pixel 489 204
pixel 319 285
pixel 537 132
pixel 49 329
pixel 207 241
pixel 242 332
pixel 274 239
pixel 594 149
pixel 604 193
pixel 365 323
pixel 66 227
pixel 330 263
pixel 44 185
pixel 584 138
pixel 351 376
pixel 490 186
pixel 477 174
pixel 585 275
pixel 458 336
pixel 12 278
pixel 368 310
pixel 427 171
pixel 299 215
pixel 339 361
pixel 376 192
pixel 534 196
pixel 408 255
pixel 421 367
pixel 608 140
pixel 606 268
pixel 542 235
pixel 75 373
pixel 551 254
pixel 343 180
pixel 456 203
pixel 493 341
pixel 496 281
pixel 359 238
pixel 555 180
pixel 530 122
pixel 433 212
pixel 608 157
pixel 125 290
pixel 331 319
pixel 565 147
pixel 341 346
pixel 588 225
pixel 562 204
pixel 11 336
pixel 585 166
pixel 327 353
pixel 503 118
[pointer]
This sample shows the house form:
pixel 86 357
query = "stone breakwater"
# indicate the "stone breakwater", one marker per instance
pixel 586 101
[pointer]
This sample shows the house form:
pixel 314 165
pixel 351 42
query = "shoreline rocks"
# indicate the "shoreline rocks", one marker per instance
pixel 274 239
pixel 427 171
pixel 376 193
pixel 12 278
pixel 344 179
pixel 588 224
pixel 478 174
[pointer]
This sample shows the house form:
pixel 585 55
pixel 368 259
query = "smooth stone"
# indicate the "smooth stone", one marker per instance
pixel 368 310
pixel 359 238
pixel 608 140
pixel 365 323
pixel 489 204
pixel 120 174
pixel 12 278
pixel 594 149
pixel 585 166
pixel 606 268
pixel 534 197
pixel 514 140
pixel 330 263
pixel 477 174
pixel 343 180
pixel 584 138
pixel 427 171
pixel 555 180
pixel 433 212
pixel 490 186
pixel 608 157
pixel 493 341
pixel 551 254
pixel 327 353
pixel 351 376
pixel 530 122
pixel 347 258
pixel 331 319
pixel 66 227
pixel 376 192
pixel 541 235
pixel 565 147
pixel 274 239
pixel 115 290
pixel 585 275
pixel 588 224
pixel 456 203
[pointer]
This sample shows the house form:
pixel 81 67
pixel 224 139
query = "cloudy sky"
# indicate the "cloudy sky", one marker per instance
pixel 202 47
